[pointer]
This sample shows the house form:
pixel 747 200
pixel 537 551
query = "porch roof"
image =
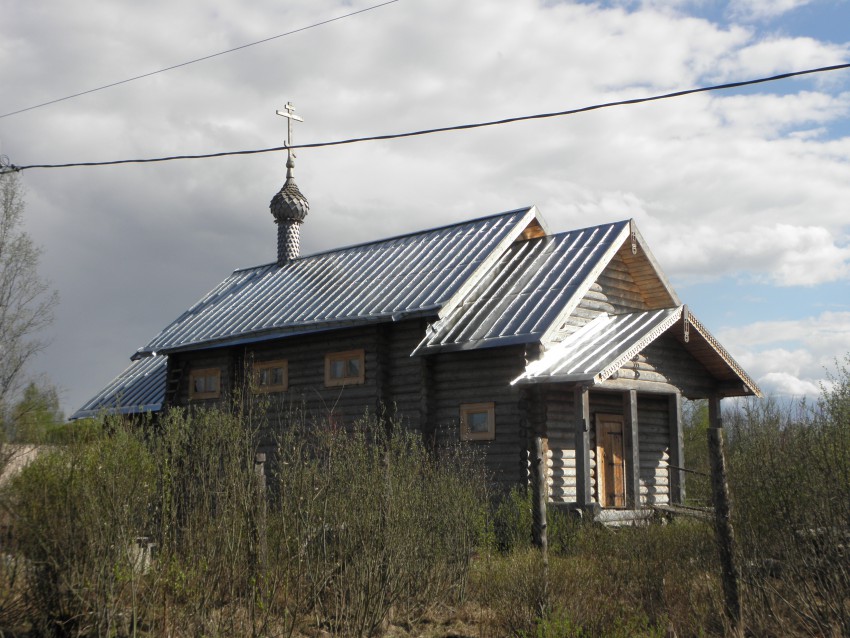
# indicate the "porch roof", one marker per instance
pixel 595 352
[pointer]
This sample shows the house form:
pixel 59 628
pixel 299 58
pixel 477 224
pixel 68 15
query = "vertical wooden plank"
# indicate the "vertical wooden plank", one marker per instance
pixel 426 401
pixel 724 532
pixel 677 449
pixel 630 427
pixel 582 416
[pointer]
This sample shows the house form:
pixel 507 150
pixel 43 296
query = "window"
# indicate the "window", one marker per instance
pixel 205 383
pixel 345 368
pixel 478 421
pixel 271 376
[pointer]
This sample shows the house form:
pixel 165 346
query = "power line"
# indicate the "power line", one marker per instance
pixel 444 129
pixel 206 57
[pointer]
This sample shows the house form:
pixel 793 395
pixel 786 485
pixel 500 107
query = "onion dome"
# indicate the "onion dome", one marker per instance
pixel 289 204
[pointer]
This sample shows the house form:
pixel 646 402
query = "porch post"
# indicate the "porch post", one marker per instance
pixel 582 408
pixel 677 450
pixel 630 413
pixel 722 519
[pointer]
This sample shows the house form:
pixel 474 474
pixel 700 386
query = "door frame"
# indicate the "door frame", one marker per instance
pixel 603 435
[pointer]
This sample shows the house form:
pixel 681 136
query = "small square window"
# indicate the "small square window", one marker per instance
pixel 478 421
pixel 345 368
pixel 205 383
pixel 271 376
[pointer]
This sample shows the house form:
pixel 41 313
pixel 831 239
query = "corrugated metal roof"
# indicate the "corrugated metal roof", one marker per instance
pixel 597 350
pixel 606 344
pixel 140 388
pixel 378 281
pixel 525 291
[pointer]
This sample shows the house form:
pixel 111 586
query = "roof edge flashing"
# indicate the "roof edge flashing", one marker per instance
pixel 584 286
pixel 531 214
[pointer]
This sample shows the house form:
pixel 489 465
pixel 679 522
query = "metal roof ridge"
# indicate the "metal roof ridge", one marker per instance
pixel 424 231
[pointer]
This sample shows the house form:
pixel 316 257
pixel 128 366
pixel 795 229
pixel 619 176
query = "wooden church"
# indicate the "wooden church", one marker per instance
pixel 495 331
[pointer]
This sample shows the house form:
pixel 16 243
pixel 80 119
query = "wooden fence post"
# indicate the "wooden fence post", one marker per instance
pixel 260 531
pixel 722 520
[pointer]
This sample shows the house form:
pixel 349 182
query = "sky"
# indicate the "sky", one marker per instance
pixel 742 195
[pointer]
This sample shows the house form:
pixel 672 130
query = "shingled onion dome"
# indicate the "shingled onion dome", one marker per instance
pixel 289 208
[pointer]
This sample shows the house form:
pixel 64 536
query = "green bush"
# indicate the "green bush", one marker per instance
pixel 77 512
pixel 512 522
pixel 633 581
pixel 384 529
pixel 345 530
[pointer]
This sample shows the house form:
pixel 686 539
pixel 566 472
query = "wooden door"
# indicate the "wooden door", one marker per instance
pixel 610 461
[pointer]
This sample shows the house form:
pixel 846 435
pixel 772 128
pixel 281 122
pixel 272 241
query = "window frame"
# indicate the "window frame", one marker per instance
pixel 467 409
pixel 259 366
pixel 206 373
pixel 345 356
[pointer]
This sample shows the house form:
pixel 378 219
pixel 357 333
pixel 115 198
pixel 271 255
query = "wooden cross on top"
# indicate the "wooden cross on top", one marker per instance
pixel 289 114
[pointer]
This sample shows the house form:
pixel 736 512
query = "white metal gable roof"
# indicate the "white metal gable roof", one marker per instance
pixel 596 351
pixel 524 293
pixel 380 281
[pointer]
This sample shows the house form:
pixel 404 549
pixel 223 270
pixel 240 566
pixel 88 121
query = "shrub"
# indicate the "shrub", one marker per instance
pixel 77 512
pixel 383 528
pixel 613 582
pixel 512 523
pixel 790 480
pixel 352 529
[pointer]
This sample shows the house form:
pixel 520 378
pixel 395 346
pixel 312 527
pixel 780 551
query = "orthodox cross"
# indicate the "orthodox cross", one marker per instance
pixel 289 114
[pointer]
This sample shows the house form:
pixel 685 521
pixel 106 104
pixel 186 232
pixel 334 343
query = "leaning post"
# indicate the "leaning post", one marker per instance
pixel 724 532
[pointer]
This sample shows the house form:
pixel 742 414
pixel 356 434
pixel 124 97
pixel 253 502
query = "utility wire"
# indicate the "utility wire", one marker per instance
pixel 206 57
pixel 444 129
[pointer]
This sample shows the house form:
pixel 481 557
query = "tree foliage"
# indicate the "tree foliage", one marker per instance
pixel 26 300
pixel 36 416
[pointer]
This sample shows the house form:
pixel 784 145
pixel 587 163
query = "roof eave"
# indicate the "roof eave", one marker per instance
pixel 748 382
pixel 293 331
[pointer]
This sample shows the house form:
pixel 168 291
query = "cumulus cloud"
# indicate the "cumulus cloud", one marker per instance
pixel 761 9
pixel 773 55
pixel 782 254
pixel 790 357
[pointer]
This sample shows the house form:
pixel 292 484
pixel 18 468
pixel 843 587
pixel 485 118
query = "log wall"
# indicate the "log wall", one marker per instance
pixel 667 361
pixel 424 392
pixel 561 455
pixel 654 450
pixel 653 442
pixel 483 376
pixel 615 292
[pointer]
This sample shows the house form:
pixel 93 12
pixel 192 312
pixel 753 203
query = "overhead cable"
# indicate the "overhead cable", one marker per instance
pixel 206 57
pixel 444 129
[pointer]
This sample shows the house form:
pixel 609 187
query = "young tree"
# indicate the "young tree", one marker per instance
pixel 26 300
pixel 36 414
